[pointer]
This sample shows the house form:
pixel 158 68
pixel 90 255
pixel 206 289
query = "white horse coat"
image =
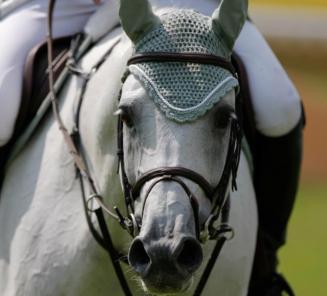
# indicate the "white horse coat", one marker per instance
pixel 46 247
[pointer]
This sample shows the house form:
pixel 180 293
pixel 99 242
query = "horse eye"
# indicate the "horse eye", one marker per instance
pixel 125 116
pixel 222 119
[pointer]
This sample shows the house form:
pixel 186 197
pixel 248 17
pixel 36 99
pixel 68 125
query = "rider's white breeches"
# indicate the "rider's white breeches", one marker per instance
pixel 19 33
pixel 276 102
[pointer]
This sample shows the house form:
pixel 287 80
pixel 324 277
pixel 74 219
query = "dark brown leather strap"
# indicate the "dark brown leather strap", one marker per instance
pixel 173 171
pixel 197 58
pixel 80 163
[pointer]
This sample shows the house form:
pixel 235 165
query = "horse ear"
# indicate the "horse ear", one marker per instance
pixel 228 20
pixel 137 18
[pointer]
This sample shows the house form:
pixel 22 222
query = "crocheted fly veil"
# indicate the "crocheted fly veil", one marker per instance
pixel 184 91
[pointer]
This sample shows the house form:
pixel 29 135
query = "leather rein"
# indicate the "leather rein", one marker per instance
pixel 215 228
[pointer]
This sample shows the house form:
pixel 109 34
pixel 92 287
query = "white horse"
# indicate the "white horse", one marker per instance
pixel 45 244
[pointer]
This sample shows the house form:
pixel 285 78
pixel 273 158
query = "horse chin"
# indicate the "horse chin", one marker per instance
pixel 162 288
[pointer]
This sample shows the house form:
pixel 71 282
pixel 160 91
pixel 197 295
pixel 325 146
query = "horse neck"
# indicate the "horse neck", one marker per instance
pixel 97 121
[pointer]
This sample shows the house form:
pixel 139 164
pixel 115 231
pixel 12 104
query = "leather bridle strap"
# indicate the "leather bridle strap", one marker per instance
pixel 192 199
pixel 164 57
pixel 176 172
pixel 230 168
pixel 222 238
pixel 80 164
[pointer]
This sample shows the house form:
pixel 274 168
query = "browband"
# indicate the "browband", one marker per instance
pixel 197 58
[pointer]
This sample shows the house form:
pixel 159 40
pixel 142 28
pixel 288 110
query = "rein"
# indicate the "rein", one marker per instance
pixel 104 239
pixel 219 195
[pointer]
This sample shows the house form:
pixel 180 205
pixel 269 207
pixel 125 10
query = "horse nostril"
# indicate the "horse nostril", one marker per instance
pixel 138 257
pixel 190 255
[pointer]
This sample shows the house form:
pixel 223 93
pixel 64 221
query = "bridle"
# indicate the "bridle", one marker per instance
pixel 218 195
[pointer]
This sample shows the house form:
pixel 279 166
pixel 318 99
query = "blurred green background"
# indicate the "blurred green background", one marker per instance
pixel 303 260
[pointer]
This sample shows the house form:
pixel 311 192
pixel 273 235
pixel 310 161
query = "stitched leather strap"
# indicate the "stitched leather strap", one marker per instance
pixel 176 172
pixel 163 57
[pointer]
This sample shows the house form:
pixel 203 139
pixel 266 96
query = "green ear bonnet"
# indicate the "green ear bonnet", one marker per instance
pixel 184 91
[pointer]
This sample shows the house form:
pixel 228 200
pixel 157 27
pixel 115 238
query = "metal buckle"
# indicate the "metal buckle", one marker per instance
pixel 76 70
pixel 205 233
pixel 224 230
pixel 211 232
pixel 90 199
pixel 128 223
pixel 134 227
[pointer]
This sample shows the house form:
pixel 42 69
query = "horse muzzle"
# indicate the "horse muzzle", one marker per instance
pixel 166 265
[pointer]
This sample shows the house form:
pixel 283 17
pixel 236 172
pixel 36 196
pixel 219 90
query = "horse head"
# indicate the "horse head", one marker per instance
pixel 179 134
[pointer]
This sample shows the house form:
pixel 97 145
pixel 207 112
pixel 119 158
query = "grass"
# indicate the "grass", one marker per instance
pixel 304 258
